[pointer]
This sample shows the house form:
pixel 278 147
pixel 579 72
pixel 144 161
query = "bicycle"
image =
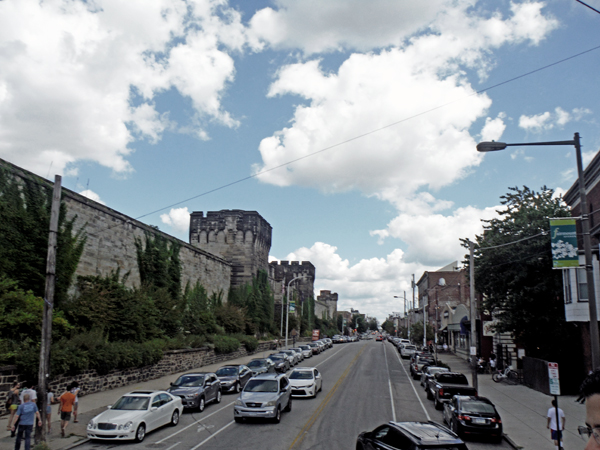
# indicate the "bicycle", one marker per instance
pixel 508 374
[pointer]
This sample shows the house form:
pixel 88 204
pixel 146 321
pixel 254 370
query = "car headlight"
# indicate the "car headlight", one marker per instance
pixel 238 402
pixel 127 426
pixel 227 383
pixel 90 425
pixel 271 403
pixel 191 395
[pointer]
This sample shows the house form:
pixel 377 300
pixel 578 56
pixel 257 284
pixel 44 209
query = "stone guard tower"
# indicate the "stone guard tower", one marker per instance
pixel 243 238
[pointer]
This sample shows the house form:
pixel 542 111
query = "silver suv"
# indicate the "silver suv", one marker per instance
pixel 196 389
pixel 264 396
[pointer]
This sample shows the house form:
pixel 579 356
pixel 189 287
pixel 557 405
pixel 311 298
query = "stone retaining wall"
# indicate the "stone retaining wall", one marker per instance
pixel 173 361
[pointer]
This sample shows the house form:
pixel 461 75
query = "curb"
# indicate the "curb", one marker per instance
pixel 511 442
pixel 76 444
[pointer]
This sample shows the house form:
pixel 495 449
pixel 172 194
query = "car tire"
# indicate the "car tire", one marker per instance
pixel 277 417
pixel 238 419
pixel 437 404
pixel 497 439
pixel 429 394
pixel 201 404
pixel 140 433
pixel 174 418
pixel 288 408
pixel 219 395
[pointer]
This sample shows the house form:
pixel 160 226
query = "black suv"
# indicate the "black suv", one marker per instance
pixel 413 435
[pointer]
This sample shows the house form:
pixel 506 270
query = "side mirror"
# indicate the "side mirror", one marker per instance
pixel 109 406
pixel 171 384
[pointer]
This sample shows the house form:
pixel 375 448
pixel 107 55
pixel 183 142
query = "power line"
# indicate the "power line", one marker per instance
pixel 585 4
pixel 543 233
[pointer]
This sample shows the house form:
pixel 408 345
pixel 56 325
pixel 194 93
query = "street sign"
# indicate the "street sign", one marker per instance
pixel 553 379
pixel 473 351
pixel 292 306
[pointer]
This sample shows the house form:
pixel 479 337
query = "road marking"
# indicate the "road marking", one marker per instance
pixel 389 384
pixel 173 446
pixel 329 357
pixel 310 422
pixel 213 435
pixel 413 386
pixel 193 423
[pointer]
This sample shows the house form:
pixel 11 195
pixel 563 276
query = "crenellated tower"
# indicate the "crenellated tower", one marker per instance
pixel 243 238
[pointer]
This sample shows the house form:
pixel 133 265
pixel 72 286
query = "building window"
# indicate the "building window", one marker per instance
pixel 567 286
pixel 582 289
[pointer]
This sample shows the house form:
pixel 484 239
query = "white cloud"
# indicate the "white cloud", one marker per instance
pixel 549 120
pixel 178 218
pixel 78 79
pixel 538 122
pixel 493 128
pixel 92 196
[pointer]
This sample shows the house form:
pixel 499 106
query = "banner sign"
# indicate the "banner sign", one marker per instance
pixel 315 335
pixel 292 306
pixel 564 243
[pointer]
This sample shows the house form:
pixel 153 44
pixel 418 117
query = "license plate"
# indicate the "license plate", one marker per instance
pixel 479 421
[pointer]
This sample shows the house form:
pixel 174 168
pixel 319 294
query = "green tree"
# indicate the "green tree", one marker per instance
pixel 159 264
pixel 340 323
pixel 373 325
pixel 516 278
pixel 416 332
pixel 388 327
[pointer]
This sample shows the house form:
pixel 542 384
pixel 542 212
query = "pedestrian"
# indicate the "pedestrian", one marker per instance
pixel 493 363
pixel 66 408
pixel 445 347
pixel 28 389
pixel 590 390
pixel 13 401
pixel 75 390
pixel 49 408
pixel 555 429
pixel 26 414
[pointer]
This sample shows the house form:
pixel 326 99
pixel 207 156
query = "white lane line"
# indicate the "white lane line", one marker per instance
pixel 193 423
pixel 212 435
pixel 173 446
pixel 329 357
pixel 413 386
pixel 389 383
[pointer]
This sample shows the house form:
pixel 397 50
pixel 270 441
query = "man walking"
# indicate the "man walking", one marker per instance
pixel 555 429
pixel 66 407
pixel 590 390
pixel 26 413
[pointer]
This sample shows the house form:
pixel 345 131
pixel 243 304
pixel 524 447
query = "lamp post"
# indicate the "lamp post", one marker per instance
pixel 585 227
pixel 396 296
pixel 287 312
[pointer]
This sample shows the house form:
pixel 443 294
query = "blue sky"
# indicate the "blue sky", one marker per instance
pixel 146 104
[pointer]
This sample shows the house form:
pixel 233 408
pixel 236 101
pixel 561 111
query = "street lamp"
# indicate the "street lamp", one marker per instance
pixel 287 312
pixel 396 296
pixel 585 227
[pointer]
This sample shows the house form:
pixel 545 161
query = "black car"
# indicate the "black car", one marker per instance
pixel 467 415
pixel 261 365
pixel 282 365
pixel 233 378
pixel 418 363
pixel 409 435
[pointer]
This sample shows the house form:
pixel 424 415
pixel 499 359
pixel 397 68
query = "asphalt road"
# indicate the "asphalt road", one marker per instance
pixel 365 384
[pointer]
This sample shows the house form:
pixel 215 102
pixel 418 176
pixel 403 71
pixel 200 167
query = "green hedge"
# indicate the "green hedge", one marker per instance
pixel 225 344
pixel 250 342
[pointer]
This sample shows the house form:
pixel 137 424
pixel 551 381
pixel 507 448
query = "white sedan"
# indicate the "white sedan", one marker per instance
pixel 135 414
pixel 305 382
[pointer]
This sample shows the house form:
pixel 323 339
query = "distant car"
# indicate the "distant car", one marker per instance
pixel 379 338
pixel 300 352
pixel 305 382
pixel 428 373
pixel 134 415
pixel 196 389
pixel 406 350
pixel 288 357
pixel 295 356
pixel 261 365
pixel 417 365
pixel 306 351
pixel 233 378
pixel 264 396
pixel 337 339
pixel 409 435
pixel 282 364
pixel 316 349
pixel 473 416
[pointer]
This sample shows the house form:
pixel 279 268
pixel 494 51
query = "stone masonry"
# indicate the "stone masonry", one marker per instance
pixel 326 305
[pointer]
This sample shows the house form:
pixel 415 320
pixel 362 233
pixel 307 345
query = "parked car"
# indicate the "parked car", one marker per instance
pixel 473 416
pixel 300 352
pixel 289 358
pixel 261 365
pixel 337 339
pixel 282 364
pixel 406 350
pixel 233 377
pixel 409 435
pixel 418 363
pixel 196 389
pixel 445 385
pixel 134 415
pixel 316 349
pixel 428 372
pixel 291 353
pixel 329 342
pixel 306 351
pixel 305 382
pixel 264 396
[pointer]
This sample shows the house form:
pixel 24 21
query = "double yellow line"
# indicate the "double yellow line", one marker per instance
pixel 311 421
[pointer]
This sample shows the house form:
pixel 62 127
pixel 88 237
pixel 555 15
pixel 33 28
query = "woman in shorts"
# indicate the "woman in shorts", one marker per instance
pixel 14 398
pixel 49 407
pixel 75 391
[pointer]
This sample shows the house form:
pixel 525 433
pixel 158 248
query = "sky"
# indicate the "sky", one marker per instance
pixel 350 126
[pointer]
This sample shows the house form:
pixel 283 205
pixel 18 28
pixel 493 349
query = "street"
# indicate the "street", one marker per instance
pixel 357 381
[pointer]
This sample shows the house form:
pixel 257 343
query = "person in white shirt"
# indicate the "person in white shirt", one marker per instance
pixel 555 429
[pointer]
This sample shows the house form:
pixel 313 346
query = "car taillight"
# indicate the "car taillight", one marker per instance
pixel 494 420
pixel 466 418
pixel 442 391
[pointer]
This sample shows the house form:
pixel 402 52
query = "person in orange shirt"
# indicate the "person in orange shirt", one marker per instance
pixel 66 407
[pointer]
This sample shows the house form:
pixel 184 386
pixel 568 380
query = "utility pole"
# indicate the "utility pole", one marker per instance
pixel 44 368
pixel 473 314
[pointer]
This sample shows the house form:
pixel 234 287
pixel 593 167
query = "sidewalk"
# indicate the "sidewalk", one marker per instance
pixel 93 404
pixel 523 410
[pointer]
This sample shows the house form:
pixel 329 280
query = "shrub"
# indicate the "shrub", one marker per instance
pixel 250 342
pixel 225 344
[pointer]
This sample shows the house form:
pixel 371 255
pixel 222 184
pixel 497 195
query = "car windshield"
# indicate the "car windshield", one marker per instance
pixel 255 363
pixel 131 403
pixel 261 386
pixel 189 381
pixel 276 358
pixel 477 408
pixel 312 345
pixel 301 375
pixel 409 347
pixel 226 372
pixel 305 347
pixel 455 378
